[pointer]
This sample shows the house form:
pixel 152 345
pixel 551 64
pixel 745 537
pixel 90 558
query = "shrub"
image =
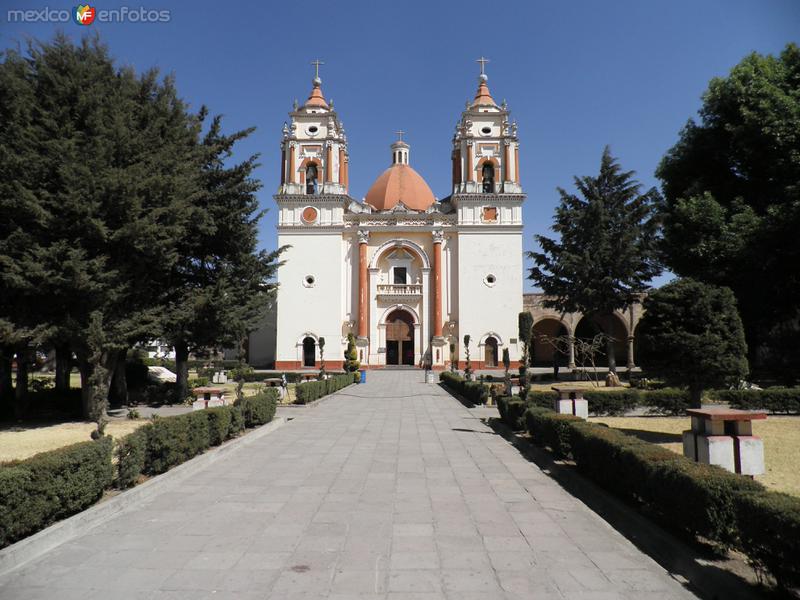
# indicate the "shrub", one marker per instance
pixel 695 498
pixel 313 390
pixel 549 428
pixel 219 424
pixel 776 400
pixel 473 391
pixel 667 401
pixel 131 457
pixel 52 485
pixel 259 409
pixel 512 411
pixel 173 440
pixel 769 531
pixel 539 398
pixel 237 421
pixel 612 402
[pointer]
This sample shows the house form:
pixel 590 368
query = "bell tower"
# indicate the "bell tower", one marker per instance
pixel 485 146
pixel 314 158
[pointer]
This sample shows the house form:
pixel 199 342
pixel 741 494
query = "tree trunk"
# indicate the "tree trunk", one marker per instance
pixel 612 357
pixel 6 383
pixel 21 391
pixel 181 370
pixel 63 367
pixel 118 394
pixel 695 397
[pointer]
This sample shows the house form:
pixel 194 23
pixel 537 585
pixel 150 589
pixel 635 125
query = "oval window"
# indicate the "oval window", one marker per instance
pixel 313 129
pixel 486 130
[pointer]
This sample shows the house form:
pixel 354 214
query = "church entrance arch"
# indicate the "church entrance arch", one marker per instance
pixel 399 338
pixel 309 352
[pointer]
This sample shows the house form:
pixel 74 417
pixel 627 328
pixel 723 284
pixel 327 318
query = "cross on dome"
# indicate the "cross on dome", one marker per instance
pixel 482 62
pixel 399 133
pixel 316 64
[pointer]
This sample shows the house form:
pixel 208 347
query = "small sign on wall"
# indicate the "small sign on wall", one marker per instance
pixel 381 350
pixel 513 340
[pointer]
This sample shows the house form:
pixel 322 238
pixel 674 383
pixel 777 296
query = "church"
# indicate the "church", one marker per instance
pixel 406 274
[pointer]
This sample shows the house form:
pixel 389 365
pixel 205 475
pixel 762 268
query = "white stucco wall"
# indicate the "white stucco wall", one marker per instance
pixel 317 309
pixel 484 309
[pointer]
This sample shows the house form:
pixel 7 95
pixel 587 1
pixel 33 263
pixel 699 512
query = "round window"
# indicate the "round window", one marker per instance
pixel 486 130
pixel 309 281
pixel 313 129
pixel 490 279
pixel 309 214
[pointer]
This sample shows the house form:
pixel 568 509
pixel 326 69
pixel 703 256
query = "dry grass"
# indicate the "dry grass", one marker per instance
pixel 596 386
pixel 17 442
pixel 781 437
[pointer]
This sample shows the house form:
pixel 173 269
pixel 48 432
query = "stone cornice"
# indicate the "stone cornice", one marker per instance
pixel 311 198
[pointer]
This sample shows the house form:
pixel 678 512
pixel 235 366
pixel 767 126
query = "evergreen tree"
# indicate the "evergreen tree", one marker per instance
pixel 606 252
pixel 220 285
pixel 102 203
pixel 732 201
pixel 691 334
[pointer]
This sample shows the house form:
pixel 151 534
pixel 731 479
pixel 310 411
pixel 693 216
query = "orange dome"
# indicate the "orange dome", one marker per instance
pixel 400 183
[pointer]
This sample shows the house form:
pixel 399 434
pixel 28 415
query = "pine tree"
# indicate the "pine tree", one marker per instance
pixel 606 252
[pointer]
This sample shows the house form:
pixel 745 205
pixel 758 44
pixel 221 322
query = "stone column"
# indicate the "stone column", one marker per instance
pixel 571 363
pixel 506 160
pixel 291 163
pixel 516 164
pixel 363 239
pixel 438 238
pixel 470 171
pixel 631 364
pixel 341 165
pixel 329 165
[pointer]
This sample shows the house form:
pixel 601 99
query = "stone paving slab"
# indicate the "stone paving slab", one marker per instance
pixel 391 491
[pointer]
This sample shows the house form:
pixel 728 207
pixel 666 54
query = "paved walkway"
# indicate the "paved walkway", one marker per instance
pixel 391 490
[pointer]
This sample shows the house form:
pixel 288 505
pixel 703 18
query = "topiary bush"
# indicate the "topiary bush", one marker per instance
pixel 769 533
pixel 540 398
pixel 173 440
pixel 52 485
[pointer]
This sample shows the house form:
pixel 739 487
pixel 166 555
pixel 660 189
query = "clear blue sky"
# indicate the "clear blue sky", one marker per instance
pixel 576 75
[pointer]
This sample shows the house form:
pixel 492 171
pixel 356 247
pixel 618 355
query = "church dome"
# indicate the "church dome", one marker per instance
pixel 400 183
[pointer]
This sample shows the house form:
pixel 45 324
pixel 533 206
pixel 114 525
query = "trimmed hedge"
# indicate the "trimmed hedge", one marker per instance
pixel 666 401
pixel 769 529
pixel 698 499
pixel 259 409
pixel 473 391
pixel 313 390
pixel 614 402
pixel 693 497
pixel 512 411
pixel 52 485
pixel 549 428
pixel 776 400
pixel 168 441
pixel 539 398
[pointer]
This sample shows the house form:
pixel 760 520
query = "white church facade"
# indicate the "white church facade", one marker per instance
pixel 408 275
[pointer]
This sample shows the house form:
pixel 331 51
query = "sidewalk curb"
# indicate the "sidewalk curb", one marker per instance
pixel 25 550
